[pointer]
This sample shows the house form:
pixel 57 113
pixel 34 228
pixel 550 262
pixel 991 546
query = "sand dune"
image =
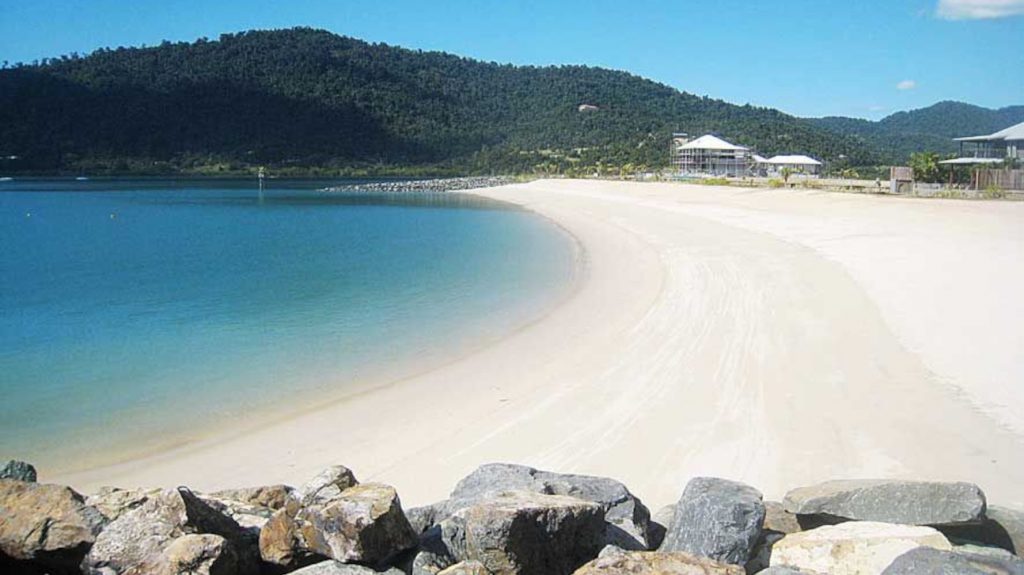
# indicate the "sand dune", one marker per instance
pixel 775 337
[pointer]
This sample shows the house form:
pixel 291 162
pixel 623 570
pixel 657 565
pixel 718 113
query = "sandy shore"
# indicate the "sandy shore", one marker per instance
pixel 775 337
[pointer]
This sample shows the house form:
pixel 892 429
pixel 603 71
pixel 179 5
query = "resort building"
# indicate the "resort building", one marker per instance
pixel 709 156
pixel 798 164
pixel 991 149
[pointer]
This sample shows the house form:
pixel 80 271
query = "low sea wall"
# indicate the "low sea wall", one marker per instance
pixel 506 519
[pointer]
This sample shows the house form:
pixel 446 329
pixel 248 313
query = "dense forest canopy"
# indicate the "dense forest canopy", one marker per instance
pixel 304 99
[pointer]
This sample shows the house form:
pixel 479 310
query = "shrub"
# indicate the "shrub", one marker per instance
pixel 993 192
pixel 715 181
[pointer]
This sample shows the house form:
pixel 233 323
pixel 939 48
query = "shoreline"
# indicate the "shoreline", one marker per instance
pixel 706 338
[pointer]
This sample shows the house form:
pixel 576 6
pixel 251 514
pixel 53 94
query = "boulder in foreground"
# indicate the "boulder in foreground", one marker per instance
pixel 363 524
pixel 656 563
pixel 49 525
pixel 890 501
pixel 853 548
pixel 926 561
pixel 146 539
pixel 718 519
pixel 627 518
pixel 525 532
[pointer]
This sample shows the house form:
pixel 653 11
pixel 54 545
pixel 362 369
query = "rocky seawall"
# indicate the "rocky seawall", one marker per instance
pixel 506 519
pixel 432 185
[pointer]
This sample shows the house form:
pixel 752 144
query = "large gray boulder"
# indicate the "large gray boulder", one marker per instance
pixel 628 520
pixel 928 561
pixel 656 563
pixel 890 501
pixel 1002 527
pixel 144 539
pixel 853 548
pixel 49 526
pixel 718 519
pixel 526 532
pixel 18 470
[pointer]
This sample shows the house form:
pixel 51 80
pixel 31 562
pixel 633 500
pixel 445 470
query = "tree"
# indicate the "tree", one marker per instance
pixel 926 167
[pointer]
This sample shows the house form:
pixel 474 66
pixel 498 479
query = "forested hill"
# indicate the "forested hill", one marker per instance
pixel 928 129
pixel 307 99
pixel 304 97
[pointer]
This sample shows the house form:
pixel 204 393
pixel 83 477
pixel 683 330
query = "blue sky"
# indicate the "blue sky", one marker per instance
pixel 862 58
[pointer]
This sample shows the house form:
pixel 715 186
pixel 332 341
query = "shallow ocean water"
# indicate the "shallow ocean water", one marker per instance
pixel 135 314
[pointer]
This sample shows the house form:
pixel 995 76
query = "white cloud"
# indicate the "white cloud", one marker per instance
pixel 906 85
pixel 978 9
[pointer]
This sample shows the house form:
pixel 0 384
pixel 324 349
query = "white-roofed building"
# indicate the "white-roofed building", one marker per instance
pixel 991 149
pixel 797 163
pixel 709 155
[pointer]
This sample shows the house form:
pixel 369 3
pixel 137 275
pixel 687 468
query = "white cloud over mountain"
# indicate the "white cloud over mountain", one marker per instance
pixel 906 85
pixel 979 9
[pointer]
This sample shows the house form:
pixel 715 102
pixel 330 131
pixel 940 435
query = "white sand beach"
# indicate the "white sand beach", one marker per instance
pixel 778 337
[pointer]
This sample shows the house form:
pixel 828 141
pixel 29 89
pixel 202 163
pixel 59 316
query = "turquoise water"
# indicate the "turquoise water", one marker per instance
pixel 136 314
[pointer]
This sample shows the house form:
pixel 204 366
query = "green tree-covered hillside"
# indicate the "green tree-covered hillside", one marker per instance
pixel 304 97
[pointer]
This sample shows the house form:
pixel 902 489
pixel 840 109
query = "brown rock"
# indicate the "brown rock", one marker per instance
pixel 364 524
pixel 48 525
pixel 280 541
pixel 203 554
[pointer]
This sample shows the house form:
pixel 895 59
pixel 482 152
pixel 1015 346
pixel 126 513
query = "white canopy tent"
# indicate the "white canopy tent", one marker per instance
pixel 797 162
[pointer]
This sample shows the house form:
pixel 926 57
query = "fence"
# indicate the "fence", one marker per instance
pixel 1002 179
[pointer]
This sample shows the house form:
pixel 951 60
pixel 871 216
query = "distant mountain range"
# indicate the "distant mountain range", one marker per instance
pixel 304 99
pixel 933 128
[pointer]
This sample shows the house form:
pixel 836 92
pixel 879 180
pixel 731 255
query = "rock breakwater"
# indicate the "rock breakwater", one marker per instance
pixel 431 185
pixel 506 519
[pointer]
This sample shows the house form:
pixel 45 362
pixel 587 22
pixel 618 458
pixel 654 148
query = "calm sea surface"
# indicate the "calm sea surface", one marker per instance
pixel 134 314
